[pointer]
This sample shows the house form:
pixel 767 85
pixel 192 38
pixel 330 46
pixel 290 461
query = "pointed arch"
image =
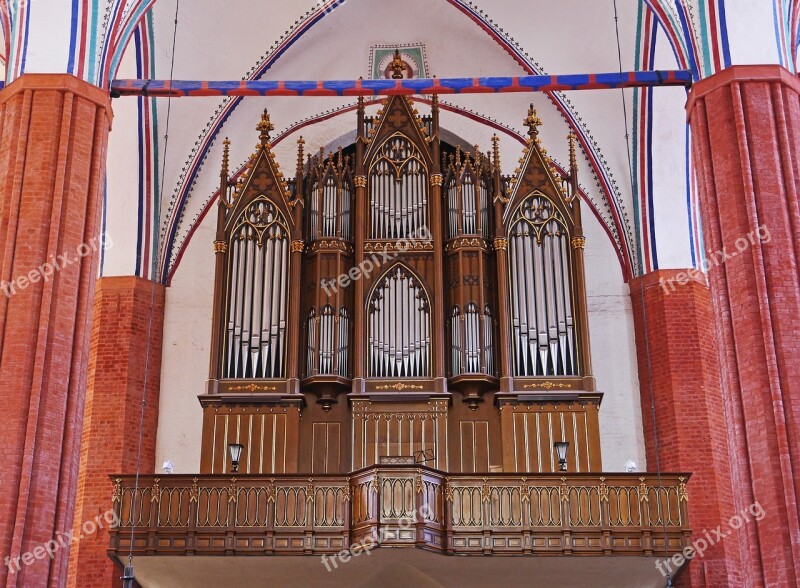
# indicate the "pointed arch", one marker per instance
pixel 399 333
pixel 613 216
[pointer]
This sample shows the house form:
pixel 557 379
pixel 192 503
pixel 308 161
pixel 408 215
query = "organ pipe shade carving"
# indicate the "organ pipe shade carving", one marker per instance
pixel 542 318
pixel 398 190
pixel 399 325
pixel 328 343
pixel 256 313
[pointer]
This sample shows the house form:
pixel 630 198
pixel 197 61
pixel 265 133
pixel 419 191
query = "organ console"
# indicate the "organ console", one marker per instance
pixel 398 296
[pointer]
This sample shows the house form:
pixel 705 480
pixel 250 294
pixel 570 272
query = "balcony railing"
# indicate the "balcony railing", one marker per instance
pixel 582 514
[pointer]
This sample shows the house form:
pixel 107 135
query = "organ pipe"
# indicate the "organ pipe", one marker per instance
pixel 399 334
pixel 398 191
pixel 255 334
pixel 542 317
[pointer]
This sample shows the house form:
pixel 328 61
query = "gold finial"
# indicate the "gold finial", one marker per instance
pixel 435 100
pixel 533 122
pixel 226 144
pixel 398 67
pixel 339 158
pixel 300 143
pixel 264 127
pixel 573 159
pixel 496 150
pixel 458 155
pixel 361 103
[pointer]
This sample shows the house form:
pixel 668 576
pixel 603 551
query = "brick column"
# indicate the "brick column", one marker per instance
pixel 53 135
pixel 676 354
pixel 745 124
pixel 123 308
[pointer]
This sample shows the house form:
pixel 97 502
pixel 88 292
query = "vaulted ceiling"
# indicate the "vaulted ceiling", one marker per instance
pixel 635 176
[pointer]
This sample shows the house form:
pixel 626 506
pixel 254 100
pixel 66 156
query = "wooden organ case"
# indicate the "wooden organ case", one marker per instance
pixel 400 301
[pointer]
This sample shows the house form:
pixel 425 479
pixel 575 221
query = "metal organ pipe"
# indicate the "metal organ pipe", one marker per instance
pixel 256 307
pixel 541 304
pixel 398 191
pixel 399 328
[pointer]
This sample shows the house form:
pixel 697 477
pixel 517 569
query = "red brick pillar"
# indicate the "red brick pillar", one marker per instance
pixel 680 387
pixel 745 124
pixel 53 135
pixel 128 318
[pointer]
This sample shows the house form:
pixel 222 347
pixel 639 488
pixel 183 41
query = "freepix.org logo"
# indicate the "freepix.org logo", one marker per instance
pixel 47 270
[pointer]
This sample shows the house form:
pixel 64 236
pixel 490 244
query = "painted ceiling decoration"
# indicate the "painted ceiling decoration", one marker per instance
pixel 100 32
pixel 619 225
pixel 412 54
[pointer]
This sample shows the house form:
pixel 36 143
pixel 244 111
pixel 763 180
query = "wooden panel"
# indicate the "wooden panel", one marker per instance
pixel 529 431
pixel 474 446
pixel 269 436
pixel 326 443
pixel 394 429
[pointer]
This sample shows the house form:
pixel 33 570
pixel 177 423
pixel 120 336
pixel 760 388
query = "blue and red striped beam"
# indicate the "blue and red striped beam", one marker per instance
pixel 487 85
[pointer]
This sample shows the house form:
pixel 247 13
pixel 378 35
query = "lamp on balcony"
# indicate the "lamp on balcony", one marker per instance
pixel 235 450
pixel 128 579
pixel 561 450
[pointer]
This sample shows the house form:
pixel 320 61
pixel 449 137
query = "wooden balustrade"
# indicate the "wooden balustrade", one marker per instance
pixel 573 514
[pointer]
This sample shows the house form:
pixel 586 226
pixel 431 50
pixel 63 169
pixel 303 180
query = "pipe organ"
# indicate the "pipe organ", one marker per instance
pixel 400 299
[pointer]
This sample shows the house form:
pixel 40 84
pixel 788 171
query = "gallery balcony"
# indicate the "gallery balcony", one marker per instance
pixel 639 516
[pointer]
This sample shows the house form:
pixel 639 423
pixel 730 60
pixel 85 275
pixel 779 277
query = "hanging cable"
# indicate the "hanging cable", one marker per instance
pixel 128 576
pixel 644 307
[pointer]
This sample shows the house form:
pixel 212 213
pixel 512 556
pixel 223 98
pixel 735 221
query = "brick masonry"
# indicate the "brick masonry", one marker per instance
pixel 745 124
pixel 676 355
pixel 122 332
pixel 53 134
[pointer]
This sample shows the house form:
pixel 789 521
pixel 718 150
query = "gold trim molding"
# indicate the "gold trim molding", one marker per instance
pixel 220 247
pixel 547 385
pixel 298 246
pixel 401 246
pixel 400 386
pixel 360 181
pixel 252 388
pixel 437 180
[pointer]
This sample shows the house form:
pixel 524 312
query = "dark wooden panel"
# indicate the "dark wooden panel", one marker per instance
pixel 269 436
pixel 530 429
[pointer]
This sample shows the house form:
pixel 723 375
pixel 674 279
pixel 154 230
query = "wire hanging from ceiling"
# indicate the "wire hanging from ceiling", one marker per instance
pixel 642 301
pixel 128 577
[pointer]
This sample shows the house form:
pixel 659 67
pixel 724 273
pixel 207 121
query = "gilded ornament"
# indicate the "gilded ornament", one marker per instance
pixel 252 388
pixel 400 386
pixel 547 385
pixel 579 242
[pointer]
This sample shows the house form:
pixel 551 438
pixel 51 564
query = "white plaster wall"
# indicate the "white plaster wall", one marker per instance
pixel 613 352
pixel 184 363
pixel 751 32
pixel 122 182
